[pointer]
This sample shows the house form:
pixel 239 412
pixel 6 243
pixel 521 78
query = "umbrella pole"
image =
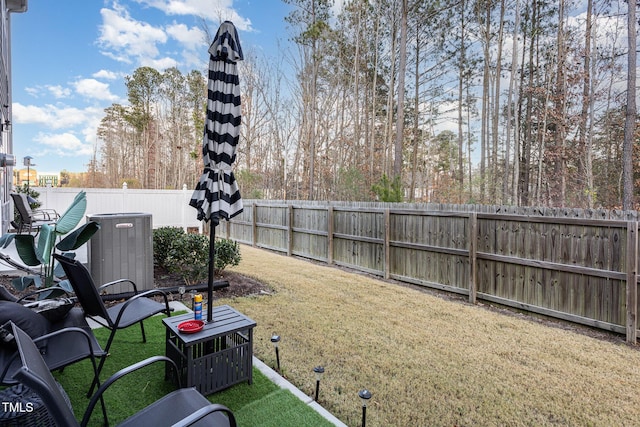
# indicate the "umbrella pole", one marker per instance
pixel 212 255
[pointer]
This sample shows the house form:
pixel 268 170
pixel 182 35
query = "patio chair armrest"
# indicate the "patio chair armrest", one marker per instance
pixel 72 330
pixel 151 292
pixel 39 291
pixel 115 282
pixel 203 412
pixel 121 373
pixel 46 214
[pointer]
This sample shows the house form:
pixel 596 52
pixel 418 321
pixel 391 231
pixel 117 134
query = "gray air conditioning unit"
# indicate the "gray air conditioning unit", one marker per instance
pixel 122 249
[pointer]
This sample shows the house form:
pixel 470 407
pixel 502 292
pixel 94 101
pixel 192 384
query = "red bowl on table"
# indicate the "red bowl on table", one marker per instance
pixel 191 326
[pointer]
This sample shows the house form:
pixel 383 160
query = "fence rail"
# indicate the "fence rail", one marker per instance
pixel 575 265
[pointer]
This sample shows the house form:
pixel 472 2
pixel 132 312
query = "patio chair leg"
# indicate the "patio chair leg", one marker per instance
pixel 144 337
pixel 96 380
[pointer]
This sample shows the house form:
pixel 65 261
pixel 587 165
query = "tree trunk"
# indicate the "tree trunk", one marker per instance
pixel 402 69
pixel 631 113
pixel 585 191
pixel 496 110
pixel 461 78
pixel 511 107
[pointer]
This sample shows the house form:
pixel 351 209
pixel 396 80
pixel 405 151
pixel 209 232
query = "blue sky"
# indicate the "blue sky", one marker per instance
pixel 70 57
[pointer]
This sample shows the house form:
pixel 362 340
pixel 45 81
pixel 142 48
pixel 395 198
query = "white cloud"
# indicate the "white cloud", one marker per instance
pixel 105 74
pixel 122 37
pixel 92 88
pixel 159 63
pixel 192 38
pixel 194 42
pixel 125 39
pixel 59 91
pixel 64 144
pixel 213 10
pixel 52 116
pixel 71 131
pixel 35 92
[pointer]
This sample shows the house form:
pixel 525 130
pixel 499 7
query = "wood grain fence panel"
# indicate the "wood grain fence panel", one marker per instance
pixel 271 238
pixel 358 254
pixel 271 225
pixel 241 232
pixel 310 232
pixel 310 219
pixel 310 246
pixel 241 227
pixel 272 215
pixel 366 231
pixel 558 262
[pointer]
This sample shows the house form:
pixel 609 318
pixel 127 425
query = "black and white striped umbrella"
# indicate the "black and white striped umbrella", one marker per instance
pixel 217 195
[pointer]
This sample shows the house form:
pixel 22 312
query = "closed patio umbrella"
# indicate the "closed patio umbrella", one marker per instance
pixel 217 195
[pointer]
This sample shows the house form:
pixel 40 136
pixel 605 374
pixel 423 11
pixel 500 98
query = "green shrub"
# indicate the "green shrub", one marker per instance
pixel 187 254
pixel 163 239
pixel 227 253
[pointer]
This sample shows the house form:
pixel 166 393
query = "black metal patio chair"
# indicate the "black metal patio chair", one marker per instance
pixel 60 349
pixel 182 407
pixel 28 219
pixel 119 316
pixel 61 342
pixel 67 341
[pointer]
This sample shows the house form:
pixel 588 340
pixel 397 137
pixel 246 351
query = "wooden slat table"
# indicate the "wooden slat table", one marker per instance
pixel 215 358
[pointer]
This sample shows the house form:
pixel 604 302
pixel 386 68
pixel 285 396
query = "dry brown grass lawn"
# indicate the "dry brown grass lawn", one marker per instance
pixel 430 361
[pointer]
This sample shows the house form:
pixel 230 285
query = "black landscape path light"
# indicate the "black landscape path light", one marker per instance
pixel 275 339
pixel 364 395
pixel 319 371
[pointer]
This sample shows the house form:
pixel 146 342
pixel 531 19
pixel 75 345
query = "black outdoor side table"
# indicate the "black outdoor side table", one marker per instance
pixel 215 358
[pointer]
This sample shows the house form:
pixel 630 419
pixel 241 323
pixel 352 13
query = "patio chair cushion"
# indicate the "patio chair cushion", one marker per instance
pixel 28 320
pixel 54 309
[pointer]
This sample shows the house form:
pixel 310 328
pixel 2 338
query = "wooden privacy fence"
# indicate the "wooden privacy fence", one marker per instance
pixel 578 269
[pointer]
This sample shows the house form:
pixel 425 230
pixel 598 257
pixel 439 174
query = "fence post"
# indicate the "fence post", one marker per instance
pixel 254 225
pixel 124 196
pixel 290 229
pixel 632 282
pixel 183 213
pixel 473 232
pixel 330 235
pixel 387 232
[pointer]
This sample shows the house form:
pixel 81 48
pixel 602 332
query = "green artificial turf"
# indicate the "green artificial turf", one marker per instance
pixel 260 404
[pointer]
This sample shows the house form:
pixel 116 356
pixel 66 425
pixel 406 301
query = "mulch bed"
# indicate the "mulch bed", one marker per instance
pixel 239 285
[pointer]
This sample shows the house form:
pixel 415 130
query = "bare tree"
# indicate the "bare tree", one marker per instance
pixel 402 70
pixel 631 112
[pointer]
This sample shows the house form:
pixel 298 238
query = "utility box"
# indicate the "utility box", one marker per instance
pixel 122 249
